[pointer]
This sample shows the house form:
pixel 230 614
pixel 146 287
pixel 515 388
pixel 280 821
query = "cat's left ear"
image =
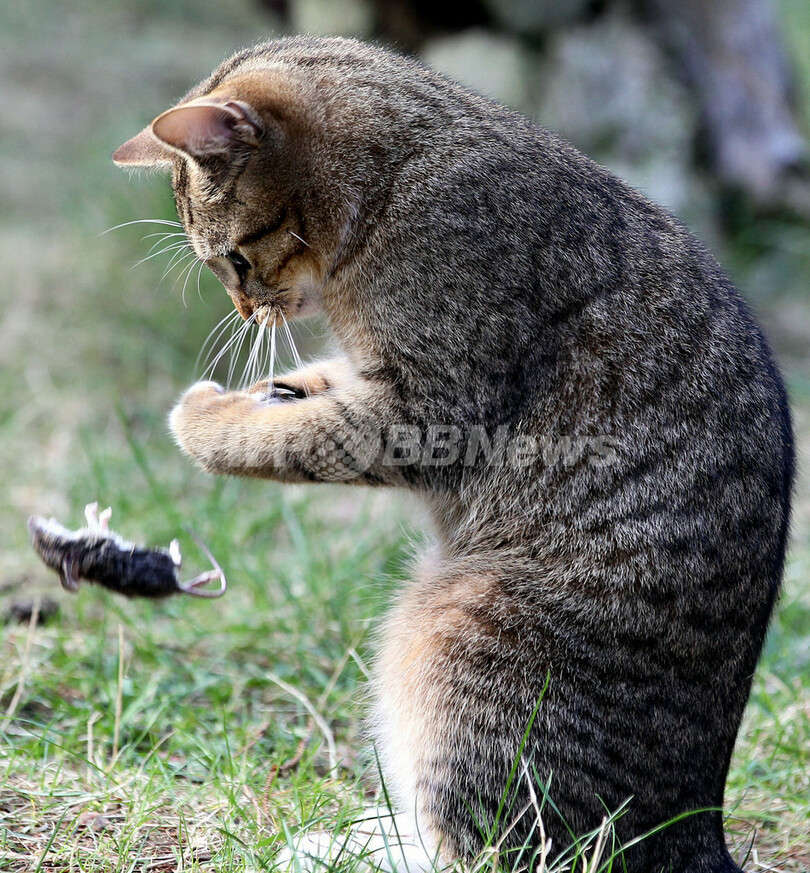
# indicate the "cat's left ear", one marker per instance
pixel 143 150
pixel 203 128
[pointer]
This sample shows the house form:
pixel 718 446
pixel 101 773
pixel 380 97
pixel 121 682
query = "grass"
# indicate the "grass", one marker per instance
pixel 141 736
pixel 167 720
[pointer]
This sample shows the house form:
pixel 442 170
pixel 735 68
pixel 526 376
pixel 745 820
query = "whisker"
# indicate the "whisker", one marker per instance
pixel 228 346
pixel 161 237
pixel 172 247
pixel 300 239
pixel 250 366
pixel 272 371
pixel 299 364
pixel 176 259
pixel 248 376
pixel 187 272
pixel 261 361
pixel 184 272
pixel 293 350
pixel 170 238
pixel 184 269
pixel 236 349
pixel 142 221
pixel 200 266
pixel 207 348
pixel 233 348
pixel 199 274
pixel 209 372
pixel 304 324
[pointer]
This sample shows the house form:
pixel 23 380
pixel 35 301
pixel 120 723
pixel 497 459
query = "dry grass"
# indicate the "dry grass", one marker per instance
pixel 136 736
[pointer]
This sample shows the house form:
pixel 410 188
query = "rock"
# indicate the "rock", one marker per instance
pixel 332 17
pixel 607 88
pixel 21 611
pixel 93 821
pixel 734 58
pixel 491 64
pixel 534 17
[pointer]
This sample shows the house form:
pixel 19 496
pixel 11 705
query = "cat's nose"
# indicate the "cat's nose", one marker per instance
pixel 243 304
pixel 241 301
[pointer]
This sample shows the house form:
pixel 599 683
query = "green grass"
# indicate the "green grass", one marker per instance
pixel 166 718
pixel 142 736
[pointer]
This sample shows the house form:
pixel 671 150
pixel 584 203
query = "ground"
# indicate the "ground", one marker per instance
pixel 141 736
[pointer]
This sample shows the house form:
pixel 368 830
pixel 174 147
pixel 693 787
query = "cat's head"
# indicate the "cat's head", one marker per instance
pixel 270 159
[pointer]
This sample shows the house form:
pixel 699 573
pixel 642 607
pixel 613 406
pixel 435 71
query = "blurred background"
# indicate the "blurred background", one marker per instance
pixel 704 106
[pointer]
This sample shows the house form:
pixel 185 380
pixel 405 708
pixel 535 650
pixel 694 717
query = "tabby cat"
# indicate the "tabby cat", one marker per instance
pixel 572 385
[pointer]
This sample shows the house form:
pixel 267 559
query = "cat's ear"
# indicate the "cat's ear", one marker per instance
pixel 206 129
pixel 143 150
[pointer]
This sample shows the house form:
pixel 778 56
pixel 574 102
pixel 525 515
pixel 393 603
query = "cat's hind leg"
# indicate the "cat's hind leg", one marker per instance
pixel 451 708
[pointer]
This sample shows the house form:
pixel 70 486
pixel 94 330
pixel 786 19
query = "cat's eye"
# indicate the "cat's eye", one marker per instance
pixel 240 263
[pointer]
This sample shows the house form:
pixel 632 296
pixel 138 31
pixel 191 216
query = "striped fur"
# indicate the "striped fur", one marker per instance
pixel 479 273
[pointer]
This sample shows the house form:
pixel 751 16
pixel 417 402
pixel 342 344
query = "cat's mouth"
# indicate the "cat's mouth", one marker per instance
pixel 268 315
pixel 275 305
pixel 265 313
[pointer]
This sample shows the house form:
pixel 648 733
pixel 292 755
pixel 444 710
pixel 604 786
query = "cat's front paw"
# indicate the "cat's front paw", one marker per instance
pixel 202 423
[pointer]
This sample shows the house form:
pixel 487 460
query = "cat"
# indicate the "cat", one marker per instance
pixel 573 386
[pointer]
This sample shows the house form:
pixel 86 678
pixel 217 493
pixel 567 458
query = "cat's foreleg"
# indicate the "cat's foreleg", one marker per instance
pixel 331 375
pixel 332 436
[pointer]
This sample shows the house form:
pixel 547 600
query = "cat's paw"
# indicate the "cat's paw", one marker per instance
pixel 308 381
pixel 371 846
pixel 276 391
pixel 203 422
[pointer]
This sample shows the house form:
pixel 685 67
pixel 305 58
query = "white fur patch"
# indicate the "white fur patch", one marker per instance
pixel 380 842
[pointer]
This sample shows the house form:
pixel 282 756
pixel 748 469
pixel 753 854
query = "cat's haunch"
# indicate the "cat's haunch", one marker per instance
pixel 576 390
